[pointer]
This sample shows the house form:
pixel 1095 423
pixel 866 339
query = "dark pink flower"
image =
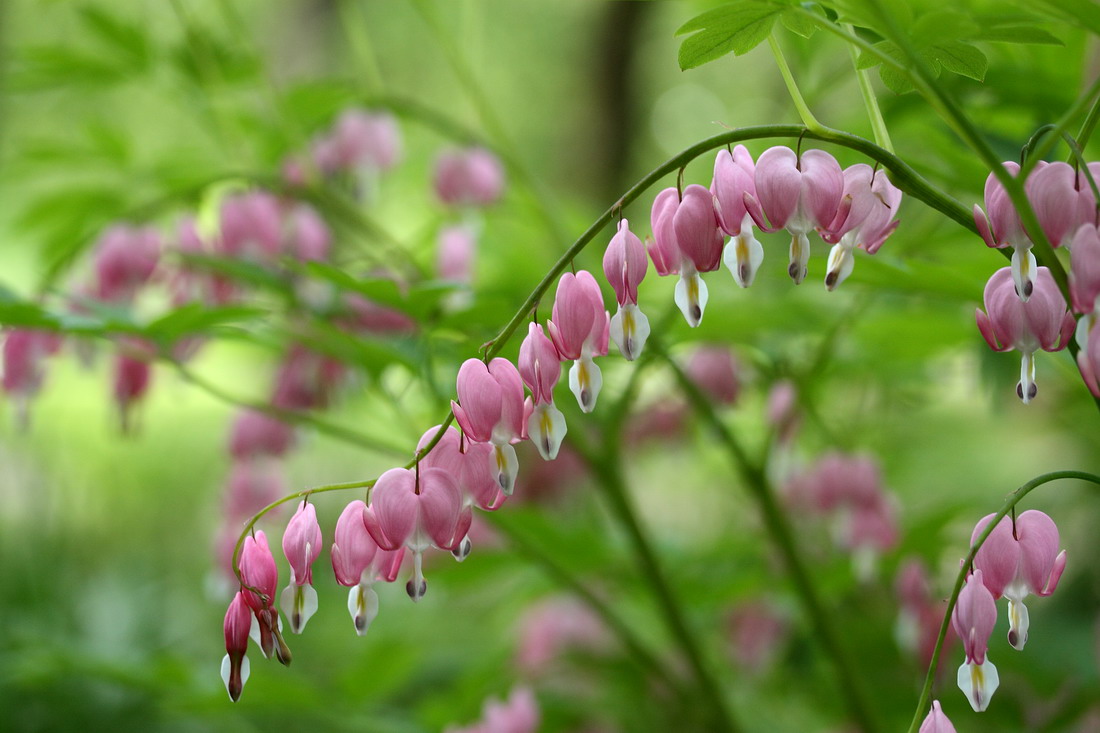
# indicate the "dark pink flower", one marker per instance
pixel 125 258
pixel 238 620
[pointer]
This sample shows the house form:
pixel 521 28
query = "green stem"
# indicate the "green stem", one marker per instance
pixel 1089 125
pixel 870 101
pixel 782 535
pixel 606 466
pixel 1009 504
pixel 804 112
pixel 354 24
pixel 566 579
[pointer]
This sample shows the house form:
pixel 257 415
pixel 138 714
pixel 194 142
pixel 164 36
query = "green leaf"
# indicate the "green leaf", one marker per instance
pixel 895 80
pixel 959 58
pixel 738 28
pixel 1017 34
pixel 127 40
pixel 1082 13
pixel 797 22
pixel 940 26
pixel 194 318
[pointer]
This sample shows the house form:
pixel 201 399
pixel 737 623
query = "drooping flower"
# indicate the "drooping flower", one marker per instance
pixel 580 328
pixel 540 369
pixel 936 722
pixel 715 371
pixel 251 227
pixel 974 616
pixel 686 241
pixel 455 253
pixel 24 352
pixel 358 562
pixel 302 546
pixel 734 178
pixel 518 714
pixel 490 410
pixel 624 265
pixel 235 667
pixel 864 219
pixel 255 434
pixel 1009 322
pixel 553 627
pixel 306 236
pixel 1062 200
pixel 1018 559
pixel 417 511
pixel 470 465
pixel 796 193
pixel 260 581
pixel 125 259
pixel 472 177
pixel 132 375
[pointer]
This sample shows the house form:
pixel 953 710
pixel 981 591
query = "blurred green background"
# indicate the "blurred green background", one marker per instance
pixel 110 609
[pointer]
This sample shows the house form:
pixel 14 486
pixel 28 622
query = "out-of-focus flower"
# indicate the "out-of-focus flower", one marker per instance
pixel 472 177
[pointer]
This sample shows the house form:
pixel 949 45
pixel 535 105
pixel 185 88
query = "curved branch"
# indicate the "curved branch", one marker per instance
pixel 1010 503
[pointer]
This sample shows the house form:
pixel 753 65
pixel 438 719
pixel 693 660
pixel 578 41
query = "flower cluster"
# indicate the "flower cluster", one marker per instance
pixel 799 192
pixel 1024 309
pixel 1019 557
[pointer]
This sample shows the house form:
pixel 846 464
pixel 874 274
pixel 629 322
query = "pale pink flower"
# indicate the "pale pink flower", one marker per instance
pixel 257 434
pixel 471 177
pixel 302 546
pixel 358 562
pixel 865 219
pixel 687 241
pixel 714 371
pixel 1017 559
pixel 974 616
pixel 490 410
pixel 796 193
pixel 455 253
pixel 251 227
pixel 417 511
pixel 305 235
pixel 364 140
pixel 1040 322
pixel 554 627
pixel 540 369
pixel 1000 226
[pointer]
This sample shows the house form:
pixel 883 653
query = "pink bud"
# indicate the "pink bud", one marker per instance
pixel 1010 323
pixel 353 548
pixel 625 264
pixel 1062 200
pixel 539 365
pixel 579 324
pixel 258 570
pixel 974 617
pixel 256 434
pixel 302 543
pixel 733 178
pixel 936 722
pixel 1084 275
pixel 490 406
pixel 468 464
pixel 472 177
pixel 662 247
pixel 696 230
pixel 235 666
